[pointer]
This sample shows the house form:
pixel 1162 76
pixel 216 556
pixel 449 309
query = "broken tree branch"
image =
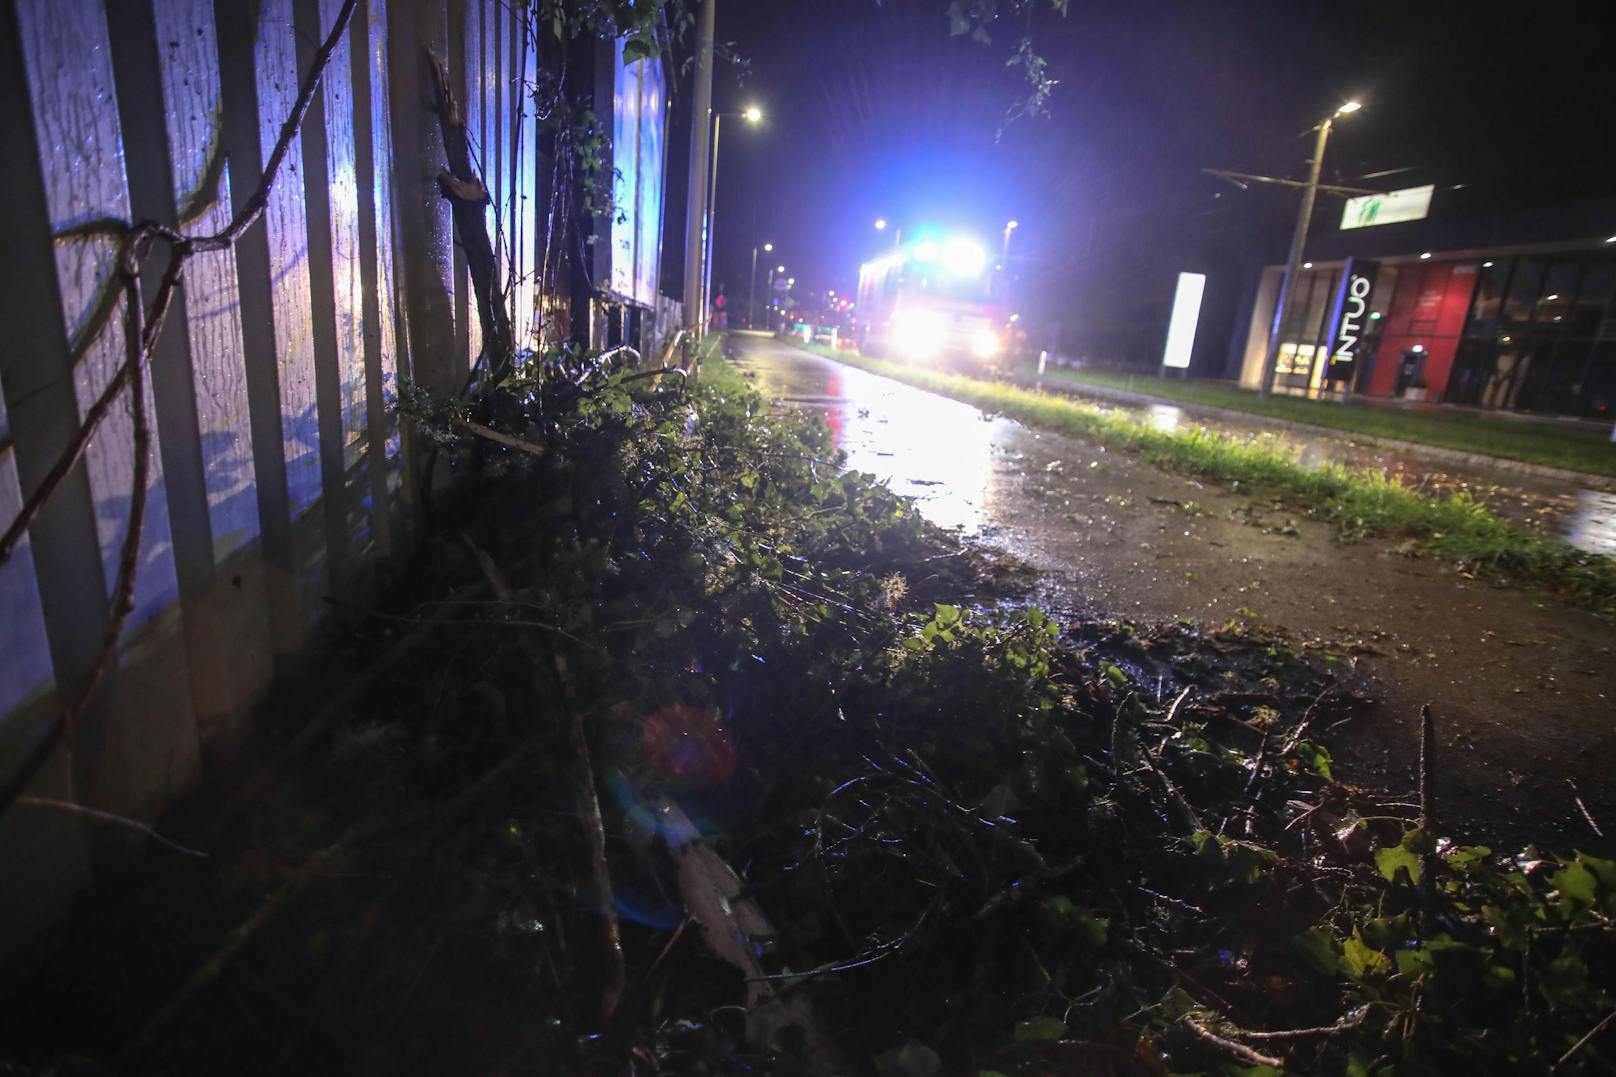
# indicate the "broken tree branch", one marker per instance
pixel 585 799
pixel 466 194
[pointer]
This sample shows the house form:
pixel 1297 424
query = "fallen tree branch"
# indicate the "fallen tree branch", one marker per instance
pixel 585 798
pixel 491 434
pixel 466 194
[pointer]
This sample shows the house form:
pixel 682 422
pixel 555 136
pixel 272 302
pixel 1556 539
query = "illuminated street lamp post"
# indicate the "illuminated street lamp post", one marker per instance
pixel 751 288
pixel 1299 240
pixel 752 115
pixel 897 233
pixel 1004 254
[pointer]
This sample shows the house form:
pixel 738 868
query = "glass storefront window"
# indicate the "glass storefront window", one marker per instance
pixel 1489 296
pixel 1301 301
pixel 1593 297
pixel 1558 285
pixel 1523 289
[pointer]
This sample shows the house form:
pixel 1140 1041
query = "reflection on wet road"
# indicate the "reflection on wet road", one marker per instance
pixel 936 450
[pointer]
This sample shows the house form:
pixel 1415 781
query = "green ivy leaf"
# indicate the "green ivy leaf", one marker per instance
pixel 1362 960
pixel 1576 882
pixel 1396 858
pixel 1040 1028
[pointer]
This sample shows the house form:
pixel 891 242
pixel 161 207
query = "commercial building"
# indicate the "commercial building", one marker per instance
pixel 1509 311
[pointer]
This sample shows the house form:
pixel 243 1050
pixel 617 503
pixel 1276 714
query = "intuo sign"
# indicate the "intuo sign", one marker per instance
pixel 1409 204
pixel 1349 317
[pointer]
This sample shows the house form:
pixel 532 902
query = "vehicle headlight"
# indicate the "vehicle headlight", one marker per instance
pixel 919 333
pixel 985 343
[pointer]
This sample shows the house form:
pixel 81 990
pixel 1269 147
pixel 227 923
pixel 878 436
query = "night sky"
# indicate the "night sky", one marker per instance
pixel 874 110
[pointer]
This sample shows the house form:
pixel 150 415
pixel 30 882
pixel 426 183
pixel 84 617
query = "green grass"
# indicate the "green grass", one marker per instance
pixel 1358 502
pixel 1559 445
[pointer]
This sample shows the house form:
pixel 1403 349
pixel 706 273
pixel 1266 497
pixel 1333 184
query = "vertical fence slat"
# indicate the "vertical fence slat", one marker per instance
pixel 497 164
pixel 469 86
pixel 331 192
pixel 138 746
pixel 455 59
pixel 166 61
pixel 424 232
pixel 524 179
pixel 258 66
pixel 374 157
pixel 43 851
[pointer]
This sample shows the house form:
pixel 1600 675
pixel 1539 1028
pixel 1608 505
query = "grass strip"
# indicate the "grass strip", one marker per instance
pixel 1358 502
pixel 1559 445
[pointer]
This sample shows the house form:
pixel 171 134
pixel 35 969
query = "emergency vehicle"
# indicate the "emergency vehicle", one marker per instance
pixel 930 302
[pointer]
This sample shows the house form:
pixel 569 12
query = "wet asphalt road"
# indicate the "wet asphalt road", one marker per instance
pixel 1523 684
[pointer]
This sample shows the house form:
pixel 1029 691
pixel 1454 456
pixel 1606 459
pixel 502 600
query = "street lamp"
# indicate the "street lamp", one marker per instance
pixel 751 288
pixel 897 233
pixel 752 115
pixel 1299 239
pixel 1004 253
pixel 772 274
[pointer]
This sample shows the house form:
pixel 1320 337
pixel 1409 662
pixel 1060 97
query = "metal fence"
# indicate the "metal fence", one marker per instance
pixel 277 480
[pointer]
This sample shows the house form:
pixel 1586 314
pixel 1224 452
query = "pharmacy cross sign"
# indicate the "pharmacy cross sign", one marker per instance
pixel 1409 204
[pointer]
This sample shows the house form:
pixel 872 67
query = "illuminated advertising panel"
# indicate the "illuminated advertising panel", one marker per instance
pixel 639 106
pixel 1186 315
pixel 1349 317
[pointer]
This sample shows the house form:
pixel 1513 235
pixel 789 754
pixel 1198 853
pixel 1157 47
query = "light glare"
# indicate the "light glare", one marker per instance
pixel 985 343
pixel 962 258
pixel 918 333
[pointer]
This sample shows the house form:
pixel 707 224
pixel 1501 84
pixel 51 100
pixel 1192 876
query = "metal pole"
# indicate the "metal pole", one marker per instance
pixel 712 198
pixel 751 294
pixel 1298 241
pixel 696 196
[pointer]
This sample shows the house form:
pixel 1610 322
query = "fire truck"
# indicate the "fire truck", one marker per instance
pixel 931 301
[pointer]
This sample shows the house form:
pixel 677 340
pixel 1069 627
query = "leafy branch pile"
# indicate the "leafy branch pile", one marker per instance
pixel 971 841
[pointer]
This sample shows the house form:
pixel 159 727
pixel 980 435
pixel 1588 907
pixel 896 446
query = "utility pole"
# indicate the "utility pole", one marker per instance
pixel 709 213
pixel 696 196
pixel 751 289
pixel 1298 241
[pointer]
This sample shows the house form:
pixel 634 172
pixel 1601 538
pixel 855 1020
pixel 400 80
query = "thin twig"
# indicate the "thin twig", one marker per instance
pixel 1589 1035
pixel 1349 1020
pixel 1427 759
pixel 1230 1047
pixel 1587 815
pixel 116 820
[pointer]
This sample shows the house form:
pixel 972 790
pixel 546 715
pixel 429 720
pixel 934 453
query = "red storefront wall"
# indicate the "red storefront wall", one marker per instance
pixel 1428 308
